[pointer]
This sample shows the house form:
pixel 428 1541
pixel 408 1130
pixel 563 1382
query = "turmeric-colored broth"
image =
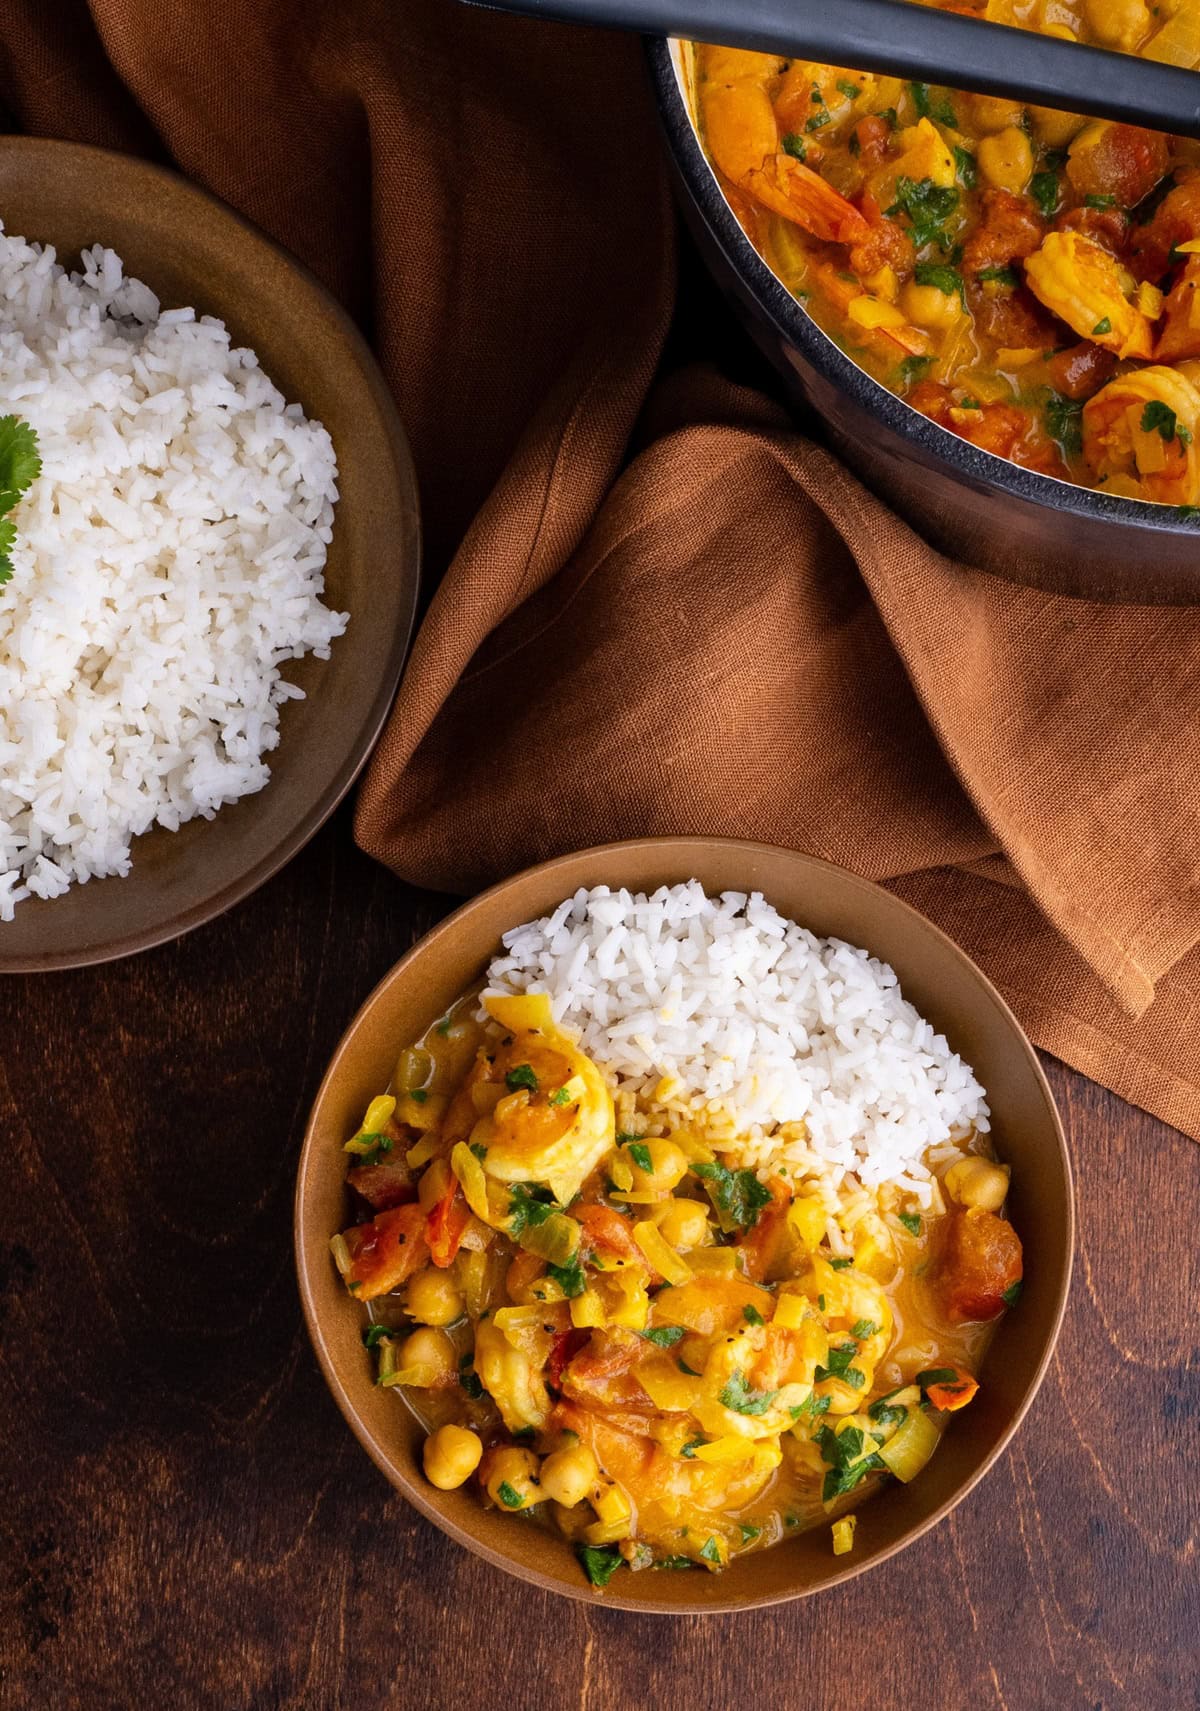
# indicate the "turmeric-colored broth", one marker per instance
pixel 670 1361
pixel 1027 278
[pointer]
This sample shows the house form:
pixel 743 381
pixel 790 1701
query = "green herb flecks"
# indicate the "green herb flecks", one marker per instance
pixel 639 1152
pixel 374 1335
pixel 1064 422
pixel 600 1562
pixel 1044 188
pixel 1095 201
pixel 560 1096
pixel 569 1277
pixel 843 1453
pixel 863 1329
pixel 948 280
pixel 1012 1294
pixel 737 1195
pixel 795 145
pixel 748 1531
pixel 527 1208
pixel 710 1550
pixel 935 105
pixel 743 1399
pixel 1159 418
pixel 850 90
pixel 1102 327
pixel 752 1316
pixel 964 163
pixel 998 276
pixel 913 367
pixel 20 466
pixel 928 207
pixel 509 1495
pixel 521 1076
pixel 664 1336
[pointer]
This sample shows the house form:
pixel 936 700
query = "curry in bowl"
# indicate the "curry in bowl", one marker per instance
pixel 1026 278
pixel 684 1234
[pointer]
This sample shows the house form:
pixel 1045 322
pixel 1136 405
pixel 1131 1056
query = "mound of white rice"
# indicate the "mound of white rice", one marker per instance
pixel 169 559
pixel 761 1023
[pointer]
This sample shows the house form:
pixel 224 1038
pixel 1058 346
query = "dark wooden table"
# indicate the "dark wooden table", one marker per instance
pixel 186 1522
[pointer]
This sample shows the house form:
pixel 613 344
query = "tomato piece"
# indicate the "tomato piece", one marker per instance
pixel 385 1252
pixel 446 1226
pixel 950 1394
pixel 872 135
pixel 767 1247
pixel 605 1228
pixel 981 1261
pixel 566 1346
pixel 385 1185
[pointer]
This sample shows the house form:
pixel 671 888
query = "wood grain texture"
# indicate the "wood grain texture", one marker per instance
pixel 185 1521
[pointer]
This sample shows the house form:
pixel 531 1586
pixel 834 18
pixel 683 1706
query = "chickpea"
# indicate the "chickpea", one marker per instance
pixel 1053 128
pixel 568 1475
pixel 451 1455
pixel 1118 23
pixel 1006 160
pixel 516 1471
pixel 668 1165
pixel 433 1298
pixel 928 306
pixel 974 1181
pixel 993 112
pixel 431 1349
pixel 684 1223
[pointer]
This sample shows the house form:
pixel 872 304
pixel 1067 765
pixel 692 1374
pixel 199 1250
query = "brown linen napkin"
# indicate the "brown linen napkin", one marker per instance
pixel 721 633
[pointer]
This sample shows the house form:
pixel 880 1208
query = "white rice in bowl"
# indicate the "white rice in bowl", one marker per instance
pixel 169 561
pixel 792 1054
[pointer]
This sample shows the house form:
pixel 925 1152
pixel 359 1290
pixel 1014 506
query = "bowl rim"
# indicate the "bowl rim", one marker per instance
pixel 792 321
pixel 358 751
pixel 412 1490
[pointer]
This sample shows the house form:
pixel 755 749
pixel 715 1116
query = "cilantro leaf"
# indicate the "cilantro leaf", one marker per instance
pixel 935 106
pixel 863 1329
pixel 752 1316
pixel 928 207
pixel 469 1378
pixel 569 1277
pixel 560 1096
pixel 1044 187
pixel 795 145
pixel 521 1075
pixel 964 162
pixel 737 1195
pixel 526 1208
pixel 840 1264
pixel 374 1335
pixel 1159 416
pixel 1064 421
pixel 998 276
pixel 885 1413
pixel 710 1550
pixel 20 465
pixel 748 1531
pixel 688 1451
pixel 1012 1294
pixel 948 280
pixel 664 1336
pixel 509 1495
pixel 639 1152
pixel 913 367
pixel 600 1562
pixel 743 1399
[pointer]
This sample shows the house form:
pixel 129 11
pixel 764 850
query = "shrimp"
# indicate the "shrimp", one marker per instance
pixel 1139 436
pixel 743 137
pixel 1086 287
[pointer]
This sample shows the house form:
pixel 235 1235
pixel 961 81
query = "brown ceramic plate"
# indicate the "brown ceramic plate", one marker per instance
pixel 943 983
pixel 192 250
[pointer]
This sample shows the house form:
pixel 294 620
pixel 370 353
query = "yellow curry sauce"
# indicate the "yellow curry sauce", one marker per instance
pixel 667 1359
pixel 1027 278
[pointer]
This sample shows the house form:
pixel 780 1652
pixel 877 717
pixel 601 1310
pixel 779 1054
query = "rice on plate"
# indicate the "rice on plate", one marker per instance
pixel 682 1231
pixel 169 561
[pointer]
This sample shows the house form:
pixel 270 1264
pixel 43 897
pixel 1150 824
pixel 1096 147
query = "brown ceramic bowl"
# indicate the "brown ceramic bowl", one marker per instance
pixel 192 250
pixel 943 983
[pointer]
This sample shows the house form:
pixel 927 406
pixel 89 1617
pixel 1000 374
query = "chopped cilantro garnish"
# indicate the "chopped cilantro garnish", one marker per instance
pixel 998 276
pixel 838 1363
pixel 948 280
pixel 933 106
pixel 526 1208
pixel 600 1562
pixel 560 1096
pixel 821 1302
pixel 737 1195
pixel 843 1452
pixel 20 465
pixel 418 1095
pixel 936 1375
pixel 469 1378
pixel 684 1367
pixel 795 145
pixel 911 1222
pixel 639 1152
pixel 1043 187
pixel 888 113
pixel 886 1413
pixel 928 207
pixel 863 1329
pixel 1102 327
pixel 913 367
pixel 374 1335
pixel 813 1406
pixel 569 1277
pixel 689 1449
pixel 443 1027
pixel 840 1264
pixel 1160 417
pixel 479 1150
pixel 1064 421
pixel 1095 201
pixel 674 1562
pixel 816 121
pixel 509 1495
pixel 748 1531
pixel 850 90
pixel 710 1550
pixel 964 162
pixel 752 1316
pixel 664 1336
pixel 521 1075
pixel 1012 1294
pixel 739 1396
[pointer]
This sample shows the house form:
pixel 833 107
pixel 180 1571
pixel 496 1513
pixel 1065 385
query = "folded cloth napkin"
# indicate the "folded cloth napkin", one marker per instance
pixel 663 609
